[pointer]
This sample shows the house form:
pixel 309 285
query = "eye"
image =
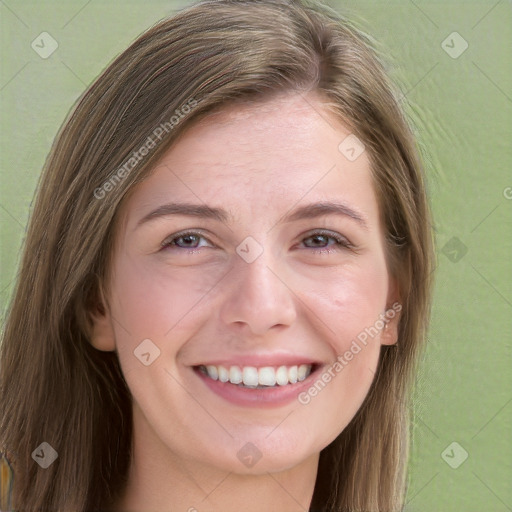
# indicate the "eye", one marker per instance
pixel 321 240
pixel 185 240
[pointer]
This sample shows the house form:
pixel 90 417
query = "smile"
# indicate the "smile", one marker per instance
pixel 257 378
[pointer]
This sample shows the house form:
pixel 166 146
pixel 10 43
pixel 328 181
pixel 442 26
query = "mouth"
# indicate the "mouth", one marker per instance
pixel 257 378
pixel 257 386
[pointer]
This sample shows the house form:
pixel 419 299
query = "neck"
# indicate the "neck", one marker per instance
pixel 162 480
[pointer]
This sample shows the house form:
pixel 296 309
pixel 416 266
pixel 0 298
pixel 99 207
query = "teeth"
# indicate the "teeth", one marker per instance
pixel 303 372
pixel 235 375
pixel 250 376
pixel 212 372
pixel 223 373
pixel 266 376
pixel 282 375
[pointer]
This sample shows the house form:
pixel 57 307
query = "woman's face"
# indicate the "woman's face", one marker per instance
pixel 229 268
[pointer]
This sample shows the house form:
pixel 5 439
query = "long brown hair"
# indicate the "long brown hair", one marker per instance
pixel 54 386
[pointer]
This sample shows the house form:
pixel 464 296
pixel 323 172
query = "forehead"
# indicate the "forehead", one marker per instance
pixel 261 159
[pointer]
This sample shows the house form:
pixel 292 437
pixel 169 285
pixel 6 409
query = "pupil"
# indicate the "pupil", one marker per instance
pixel 188 238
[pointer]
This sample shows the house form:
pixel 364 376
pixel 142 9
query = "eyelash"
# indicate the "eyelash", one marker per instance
pixel 341 242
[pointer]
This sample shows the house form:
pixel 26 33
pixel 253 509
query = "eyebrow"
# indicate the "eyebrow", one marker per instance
pixel 204 211
pixel 311 211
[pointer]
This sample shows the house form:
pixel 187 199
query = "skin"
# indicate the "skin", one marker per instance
pixel 258 162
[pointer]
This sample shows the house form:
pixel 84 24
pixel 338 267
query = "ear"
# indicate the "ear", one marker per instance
pixel 389 335
pixel 102 335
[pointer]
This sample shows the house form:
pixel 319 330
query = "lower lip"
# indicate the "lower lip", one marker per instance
pixel 250 397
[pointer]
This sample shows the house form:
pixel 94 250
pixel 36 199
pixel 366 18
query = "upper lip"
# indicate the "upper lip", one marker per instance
pixel 261 360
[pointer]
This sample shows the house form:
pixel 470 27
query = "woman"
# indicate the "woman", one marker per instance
pixel 226 278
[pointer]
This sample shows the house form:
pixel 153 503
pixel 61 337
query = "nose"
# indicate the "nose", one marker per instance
pixel 258 297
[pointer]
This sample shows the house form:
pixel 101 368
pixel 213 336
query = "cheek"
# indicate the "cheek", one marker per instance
pixel 350 301
pixel 333 399
pixel 156 310
pixel 158 303
pixel 155 298
pixel 350 306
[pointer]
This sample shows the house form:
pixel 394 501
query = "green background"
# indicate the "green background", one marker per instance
pixel 461 110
